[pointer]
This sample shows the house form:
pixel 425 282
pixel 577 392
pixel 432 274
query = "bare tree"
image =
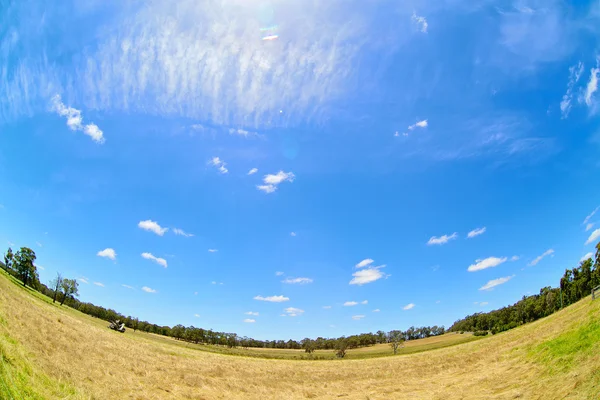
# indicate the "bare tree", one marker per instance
pixel 56 283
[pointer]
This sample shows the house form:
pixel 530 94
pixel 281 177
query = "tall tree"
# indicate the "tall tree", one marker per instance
pixel 70 287
pixel 56 283
pixel 8 259
pixel 24 264
pixel 395 339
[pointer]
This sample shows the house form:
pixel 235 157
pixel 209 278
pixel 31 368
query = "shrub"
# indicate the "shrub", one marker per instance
pixel 480 333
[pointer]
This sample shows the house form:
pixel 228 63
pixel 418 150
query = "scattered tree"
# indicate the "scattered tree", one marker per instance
pixel 395 339
pixel 70 288
pixel 8 259
pixel 341 347
pixel 23 262
pixel 56 283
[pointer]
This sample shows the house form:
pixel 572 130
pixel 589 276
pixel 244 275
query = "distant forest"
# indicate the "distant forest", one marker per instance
pixel 574 285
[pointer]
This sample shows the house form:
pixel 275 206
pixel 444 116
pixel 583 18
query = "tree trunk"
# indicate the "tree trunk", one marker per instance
pixel 54 298
pixel 63 299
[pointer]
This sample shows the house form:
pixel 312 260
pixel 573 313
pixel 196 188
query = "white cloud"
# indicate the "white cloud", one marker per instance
pixel 593 237
pixel 495 282
pixel 575 73
pixel 212 250
pixel 357 317
pixel 589 226
pixel 293 234
pixel 483 303
pixel 271 181
pixel 442 239
pixel 300 281
pixel 267 188
pixel 253 171
pixel 327 307
pixel 99 284
pixel 364 302
pixel 376 310
pixel 476 232
pixel 107 253
pixel 486 263
pixel 420 124
pixel 421 22
pixel 249 320
pixel 39 244
pixel 160 261
pixel 278 273
pixel 40 267
pixel 539 258
pixel 589 217
pixel 75 120
pixel 219 164
pixel 293 312
pixel 152 226
pixel 127 286
pixel 409 306
pixel 242 132
pixel 254 313
pixel 367 275
pixel 272 299
pixel 592 85
pixel 82 280
pixel 350 303
pixel 515 258
pixel 181 232
pixel 587 256
pixel 213 283
pixel 364 263
pixel 197 315
pixel 148 290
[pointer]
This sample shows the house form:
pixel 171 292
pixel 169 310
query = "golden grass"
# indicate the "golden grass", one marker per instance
pixel 64 354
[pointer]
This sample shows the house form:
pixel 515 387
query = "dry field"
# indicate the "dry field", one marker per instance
pixel 47 352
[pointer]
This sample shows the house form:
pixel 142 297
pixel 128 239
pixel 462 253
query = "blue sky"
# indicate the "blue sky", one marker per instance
pixel 379 135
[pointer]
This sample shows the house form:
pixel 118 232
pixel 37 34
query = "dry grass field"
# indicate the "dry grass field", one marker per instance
pixel 48 352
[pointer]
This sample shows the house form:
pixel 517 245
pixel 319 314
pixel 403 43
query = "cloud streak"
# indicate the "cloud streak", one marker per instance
pixel 539 258
pixel 496 282
pixel 75 120
pixel 160 261
pixel 442 239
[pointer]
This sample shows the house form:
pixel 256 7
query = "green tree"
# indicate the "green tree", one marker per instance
pixel 395 339
pixel 8 259
pixel 24 264
pixel 70 288
pixel 56 283
pixel 340 347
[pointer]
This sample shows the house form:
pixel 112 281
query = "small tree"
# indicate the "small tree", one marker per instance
pixel 395 339
pixel 56 283
pixel 134 324
pixel 340 347
pixel 309 345
pixel 8 259
pixel 24 264
pixel 70 288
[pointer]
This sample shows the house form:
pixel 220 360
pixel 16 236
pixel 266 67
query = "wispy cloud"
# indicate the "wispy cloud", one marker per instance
pixel 293 234
pixel 243 133
pixel 540 257
pixel 593 237
pixel 496 282
pixel 99 284
pixel 515 258
pixel 442 239
pixel 575 73
pixel 160 261
pixel 254 313
pixel 476 232
pixel 253 171
pixel 272 181
pixel 197 315
pixel 357 317
pixel 219 164
pixel 350 303
pixel 278 273
pixel 589 226
pixel 152 226
pixel 82 280
pixel 327 307
pixel 212 250
pixel 148 290
pixel 364 263
pixel 127 286
pixel 376 310
pixel 181 232
pixel 421 22
pixel 590 216
pixel 272 299
pixel 408 306
pixel 107 253
pixel 249 320
pixel 592 85
pixel 420 124
pixel 587 256
pixel 486 263
pixel 300 281
pixel 39 244
pixel 367 275
pixel 75 120
pixel 293 312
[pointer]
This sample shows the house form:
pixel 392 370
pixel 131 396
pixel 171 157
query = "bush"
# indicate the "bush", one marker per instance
pixel 480 333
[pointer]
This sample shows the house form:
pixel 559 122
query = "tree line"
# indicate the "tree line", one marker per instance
pixel 575 284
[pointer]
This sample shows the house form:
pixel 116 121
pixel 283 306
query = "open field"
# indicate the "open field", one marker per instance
pixel 47 352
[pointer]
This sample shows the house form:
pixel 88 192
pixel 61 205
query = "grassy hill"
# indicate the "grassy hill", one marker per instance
pixel 49 352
